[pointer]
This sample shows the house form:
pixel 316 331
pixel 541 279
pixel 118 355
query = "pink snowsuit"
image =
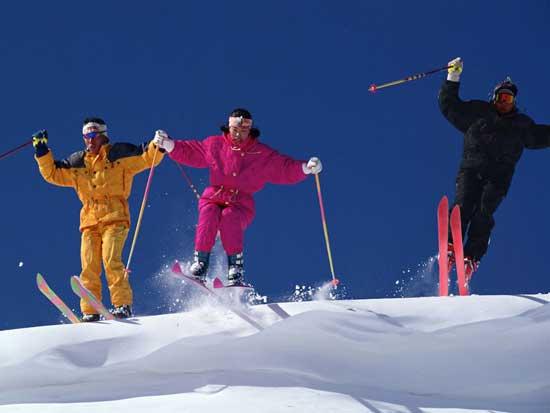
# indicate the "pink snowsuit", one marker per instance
pixel 236 172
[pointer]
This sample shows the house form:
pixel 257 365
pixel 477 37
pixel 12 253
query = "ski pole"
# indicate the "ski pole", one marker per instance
pixel 7 153
pixel 373 88
pixel 188 180
pixel 140 216
pixel 335 280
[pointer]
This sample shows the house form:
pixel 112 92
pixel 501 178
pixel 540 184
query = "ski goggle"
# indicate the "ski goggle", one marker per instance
pixel 92 135
pixel 504 98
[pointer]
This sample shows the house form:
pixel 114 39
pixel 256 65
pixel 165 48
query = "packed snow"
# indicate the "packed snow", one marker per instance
pixel 408 355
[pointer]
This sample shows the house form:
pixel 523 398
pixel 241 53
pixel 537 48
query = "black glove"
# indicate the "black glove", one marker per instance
pixel 40 142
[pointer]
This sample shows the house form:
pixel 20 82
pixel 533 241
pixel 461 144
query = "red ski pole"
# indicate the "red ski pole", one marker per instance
pixel 11 151
pixel 373 88
pixel 189 182
pixel 335 280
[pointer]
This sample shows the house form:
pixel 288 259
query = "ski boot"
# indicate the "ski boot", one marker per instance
pixel 199 268
pixel 235 274
pixel 122 311
pixel 89 318
pixel 470 266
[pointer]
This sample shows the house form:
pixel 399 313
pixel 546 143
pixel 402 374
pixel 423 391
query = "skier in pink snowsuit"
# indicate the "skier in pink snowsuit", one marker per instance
pixel 239 166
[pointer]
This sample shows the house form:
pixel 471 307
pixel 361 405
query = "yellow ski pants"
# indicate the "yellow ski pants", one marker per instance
pixel 104 242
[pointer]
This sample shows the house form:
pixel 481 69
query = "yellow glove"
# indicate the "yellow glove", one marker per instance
pixel 455 70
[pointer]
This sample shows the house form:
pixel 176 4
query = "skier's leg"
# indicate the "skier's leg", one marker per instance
pixel 208 225
pixel 90 257
pixel 232 226
pixel 114 236
pixel 234 221
pixel 483 222
pixel 468 196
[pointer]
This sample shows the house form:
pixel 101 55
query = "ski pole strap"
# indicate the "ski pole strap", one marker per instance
pixel 325 229
pixel 11 151
pixel 142 209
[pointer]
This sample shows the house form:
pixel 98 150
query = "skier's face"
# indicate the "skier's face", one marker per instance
pixel 504 103
pixel 94 143
pixel 239 128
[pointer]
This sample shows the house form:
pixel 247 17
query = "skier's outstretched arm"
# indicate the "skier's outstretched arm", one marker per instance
pixel 137 158
pixel 282 169
pixel 55 172
pixel 537 136
pixel 189 152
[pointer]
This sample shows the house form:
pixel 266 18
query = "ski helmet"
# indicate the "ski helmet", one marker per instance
pixel 506 86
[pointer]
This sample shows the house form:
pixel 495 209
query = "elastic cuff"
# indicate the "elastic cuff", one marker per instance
pixel 41 150
pixel 453 77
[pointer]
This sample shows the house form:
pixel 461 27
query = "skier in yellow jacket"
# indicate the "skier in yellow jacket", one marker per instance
pixel 102 177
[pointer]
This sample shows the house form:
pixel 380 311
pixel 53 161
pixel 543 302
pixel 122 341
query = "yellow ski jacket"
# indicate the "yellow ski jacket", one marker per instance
pixel 103 182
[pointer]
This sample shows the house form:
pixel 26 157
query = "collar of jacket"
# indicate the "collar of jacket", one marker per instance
pixel 243 146
pixel 102 151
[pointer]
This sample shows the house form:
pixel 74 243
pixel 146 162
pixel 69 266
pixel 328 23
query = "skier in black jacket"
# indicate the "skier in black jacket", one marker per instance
pixel 495 134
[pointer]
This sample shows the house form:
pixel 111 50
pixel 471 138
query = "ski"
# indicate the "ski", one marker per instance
pixel 55 300
pixel 456 230
pixel 87 296
pixel 443 237
pixel 178 272
pixel 276 308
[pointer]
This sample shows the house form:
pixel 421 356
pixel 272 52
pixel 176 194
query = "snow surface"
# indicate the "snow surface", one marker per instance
pixel 415 355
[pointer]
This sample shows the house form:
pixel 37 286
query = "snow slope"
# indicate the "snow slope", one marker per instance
pixel 453 354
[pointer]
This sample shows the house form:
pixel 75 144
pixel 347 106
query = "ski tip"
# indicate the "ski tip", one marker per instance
pixel 176 267
pixel 373 88
pixel 217 283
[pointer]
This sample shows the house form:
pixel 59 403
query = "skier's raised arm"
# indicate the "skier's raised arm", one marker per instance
pixel 54 172
pixel 461 114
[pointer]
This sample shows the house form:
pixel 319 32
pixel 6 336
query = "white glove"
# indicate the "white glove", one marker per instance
pixel 313 166
pixel 454 72
pixel 162 140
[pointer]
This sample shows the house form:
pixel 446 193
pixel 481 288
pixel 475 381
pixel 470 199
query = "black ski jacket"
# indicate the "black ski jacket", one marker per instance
pixel 493 143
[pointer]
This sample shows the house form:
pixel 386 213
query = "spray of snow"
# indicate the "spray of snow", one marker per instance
pixel 421 281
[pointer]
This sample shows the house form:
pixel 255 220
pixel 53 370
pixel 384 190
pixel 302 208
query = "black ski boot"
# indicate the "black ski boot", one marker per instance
pixel 122 311
pixel 89 318
pixel 235 273
pixel 199 268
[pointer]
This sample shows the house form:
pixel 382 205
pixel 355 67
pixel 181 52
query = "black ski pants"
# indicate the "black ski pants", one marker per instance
pixel 479 196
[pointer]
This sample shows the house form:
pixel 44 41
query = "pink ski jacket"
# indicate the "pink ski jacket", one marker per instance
pixel 237 172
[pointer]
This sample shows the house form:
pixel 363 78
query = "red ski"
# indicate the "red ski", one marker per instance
pixel 456 230
pixel 443 236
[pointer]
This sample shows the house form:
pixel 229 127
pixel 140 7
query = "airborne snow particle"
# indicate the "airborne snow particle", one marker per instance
pixel 20 264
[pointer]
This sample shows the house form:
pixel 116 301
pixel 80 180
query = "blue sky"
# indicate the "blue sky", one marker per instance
pixel 303 70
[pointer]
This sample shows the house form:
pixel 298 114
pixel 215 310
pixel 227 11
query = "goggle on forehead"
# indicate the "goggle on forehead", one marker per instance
pixel 240 122
pixel 504 98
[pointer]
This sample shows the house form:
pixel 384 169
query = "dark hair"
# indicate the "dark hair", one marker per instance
pixel 254 132
pixel 241 112
pixel 94 120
